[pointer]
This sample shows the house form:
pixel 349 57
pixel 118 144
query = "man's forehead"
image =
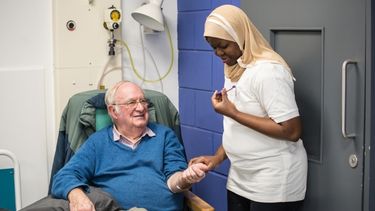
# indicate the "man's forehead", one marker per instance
pixel 129 92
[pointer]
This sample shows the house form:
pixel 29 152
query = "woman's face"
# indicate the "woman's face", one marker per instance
pixel 227 50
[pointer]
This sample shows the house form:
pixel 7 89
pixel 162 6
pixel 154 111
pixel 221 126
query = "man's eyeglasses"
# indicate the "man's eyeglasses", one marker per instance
pixel 133 103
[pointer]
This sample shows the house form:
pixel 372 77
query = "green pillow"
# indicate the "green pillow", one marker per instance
pixel 102 118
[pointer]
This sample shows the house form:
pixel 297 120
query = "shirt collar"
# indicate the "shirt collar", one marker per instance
pixel 117 135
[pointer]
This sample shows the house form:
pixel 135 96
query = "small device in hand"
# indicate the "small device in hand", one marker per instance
pixel 219 93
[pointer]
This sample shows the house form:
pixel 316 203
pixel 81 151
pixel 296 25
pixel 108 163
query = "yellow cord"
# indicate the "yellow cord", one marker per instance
pixel 170 65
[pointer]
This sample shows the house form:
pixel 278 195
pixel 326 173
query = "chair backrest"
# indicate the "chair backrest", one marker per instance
pixel 102 118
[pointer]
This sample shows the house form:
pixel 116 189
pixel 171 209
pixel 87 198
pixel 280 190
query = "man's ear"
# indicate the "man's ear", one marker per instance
pixel 113 111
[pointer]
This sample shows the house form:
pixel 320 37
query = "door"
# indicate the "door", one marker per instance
pixel 324 43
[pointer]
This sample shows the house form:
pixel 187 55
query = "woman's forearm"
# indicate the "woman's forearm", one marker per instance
pixel 288 130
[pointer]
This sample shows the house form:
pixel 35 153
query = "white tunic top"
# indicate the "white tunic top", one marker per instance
pixel 263 168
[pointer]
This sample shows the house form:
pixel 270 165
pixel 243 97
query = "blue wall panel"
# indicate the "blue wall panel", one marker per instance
pixel 216 3
pixel 200 43
pixel 196 141
pixel 187 106
pixel 190 31
pixel 195 69
pixel 205 115
pixel 213 190
pixel 185 30
pixel 193 5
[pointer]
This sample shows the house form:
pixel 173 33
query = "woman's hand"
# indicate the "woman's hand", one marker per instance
pixel 210 161
pixel 222 104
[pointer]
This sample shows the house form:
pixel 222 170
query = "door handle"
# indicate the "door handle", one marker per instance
pixel 344 68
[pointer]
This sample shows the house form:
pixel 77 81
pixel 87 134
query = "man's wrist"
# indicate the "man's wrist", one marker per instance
pixel 183 183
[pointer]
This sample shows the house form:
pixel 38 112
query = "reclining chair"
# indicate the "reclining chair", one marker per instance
pixel 86 112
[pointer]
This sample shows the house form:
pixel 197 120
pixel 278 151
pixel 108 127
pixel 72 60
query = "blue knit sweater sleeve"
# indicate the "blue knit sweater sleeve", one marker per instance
pixel 174 156
pixel 76 173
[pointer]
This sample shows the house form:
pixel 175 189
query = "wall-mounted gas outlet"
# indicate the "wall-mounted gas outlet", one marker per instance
pixel 81 46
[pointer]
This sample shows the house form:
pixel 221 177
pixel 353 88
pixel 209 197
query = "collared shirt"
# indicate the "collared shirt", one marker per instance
pixel 117 136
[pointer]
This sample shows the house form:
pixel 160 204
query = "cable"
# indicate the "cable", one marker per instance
pixel 100 85
pixel 137 72
pixel 143 54
pixel 105 72
pixel 157 69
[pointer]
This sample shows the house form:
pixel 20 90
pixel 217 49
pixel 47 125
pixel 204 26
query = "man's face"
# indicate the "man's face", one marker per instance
pixel 131 109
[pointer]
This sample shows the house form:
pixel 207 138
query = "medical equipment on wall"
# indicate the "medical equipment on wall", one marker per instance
pixel 81 45
pixel 151 20
pixel 112 19
pixel 150 15
pixel 161 77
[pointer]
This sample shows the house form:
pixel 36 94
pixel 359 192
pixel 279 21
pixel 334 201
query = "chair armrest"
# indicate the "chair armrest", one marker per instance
pixel 195 203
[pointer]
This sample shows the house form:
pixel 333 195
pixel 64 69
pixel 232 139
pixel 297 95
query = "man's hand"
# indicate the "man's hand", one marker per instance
pixel 182 180
pixel 195 173
pixel 78 201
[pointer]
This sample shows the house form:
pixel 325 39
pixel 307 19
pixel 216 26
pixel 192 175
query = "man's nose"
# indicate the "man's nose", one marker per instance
pixel 140 106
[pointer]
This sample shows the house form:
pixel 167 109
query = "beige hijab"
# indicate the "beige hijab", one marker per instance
pixel 231 23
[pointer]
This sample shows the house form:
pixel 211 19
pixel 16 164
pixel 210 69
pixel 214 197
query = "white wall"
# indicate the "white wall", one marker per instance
pixel 27 111
pixel 81 55
pixel 26 86
pixel 159 47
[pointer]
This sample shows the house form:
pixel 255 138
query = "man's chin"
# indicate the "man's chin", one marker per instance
pixel 140 124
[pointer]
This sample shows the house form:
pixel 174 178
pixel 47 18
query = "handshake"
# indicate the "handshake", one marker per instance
pixel 182 181
pixel 195 173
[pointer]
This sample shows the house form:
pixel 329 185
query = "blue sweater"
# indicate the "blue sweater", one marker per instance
pixel 134 178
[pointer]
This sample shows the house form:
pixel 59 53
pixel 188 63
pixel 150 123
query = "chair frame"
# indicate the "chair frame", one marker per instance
pixel 17 183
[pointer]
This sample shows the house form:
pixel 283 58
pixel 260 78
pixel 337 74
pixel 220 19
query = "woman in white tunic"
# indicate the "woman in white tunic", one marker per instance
pixel 262 127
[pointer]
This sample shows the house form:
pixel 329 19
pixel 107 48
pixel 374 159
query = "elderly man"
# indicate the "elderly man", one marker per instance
pixel 140 164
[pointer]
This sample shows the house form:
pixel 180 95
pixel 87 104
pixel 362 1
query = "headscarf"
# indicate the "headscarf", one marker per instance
pixel 229 22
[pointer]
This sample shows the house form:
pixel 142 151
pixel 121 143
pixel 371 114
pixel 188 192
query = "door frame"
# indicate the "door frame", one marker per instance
pixel 369 158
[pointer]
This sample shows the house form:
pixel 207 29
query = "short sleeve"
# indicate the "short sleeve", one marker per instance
pixel 276 93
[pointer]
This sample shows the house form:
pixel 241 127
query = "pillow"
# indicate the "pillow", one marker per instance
pixel 102 118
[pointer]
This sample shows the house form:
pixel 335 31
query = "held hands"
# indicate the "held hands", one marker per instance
pixel 210 161
pixel 78 201
pixel 222 104
pixel 194 173
pixel 183 180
